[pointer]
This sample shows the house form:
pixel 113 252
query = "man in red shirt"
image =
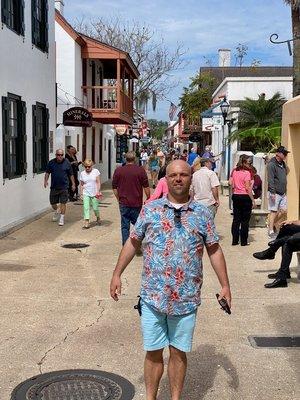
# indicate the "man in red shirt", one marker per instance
pixel 128 184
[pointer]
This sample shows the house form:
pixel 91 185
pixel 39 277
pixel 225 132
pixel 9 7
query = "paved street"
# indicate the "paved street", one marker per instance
pixel 56 313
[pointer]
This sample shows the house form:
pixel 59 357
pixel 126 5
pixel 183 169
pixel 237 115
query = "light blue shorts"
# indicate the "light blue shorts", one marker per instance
pixel 279 203
pixel 161 330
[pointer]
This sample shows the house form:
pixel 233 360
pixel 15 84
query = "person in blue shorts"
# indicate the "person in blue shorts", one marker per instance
pixel 174 231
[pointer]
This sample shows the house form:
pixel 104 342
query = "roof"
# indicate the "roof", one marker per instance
pixel 93 48
pixel 169 128
pixel 220 73
pixel 209 112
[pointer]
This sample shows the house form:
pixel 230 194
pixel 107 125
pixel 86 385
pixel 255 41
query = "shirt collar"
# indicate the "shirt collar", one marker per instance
pixel 188 206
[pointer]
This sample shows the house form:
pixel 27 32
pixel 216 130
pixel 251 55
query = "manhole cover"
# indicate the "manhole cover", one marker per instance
pixel 75 245
pixel 74 385
pixel 275 341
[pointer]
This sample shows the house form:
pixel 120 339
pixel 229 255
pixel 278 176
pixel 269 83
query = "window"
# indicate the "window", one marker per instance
pixel 14 136
pixel 40 137
pixel 100 145
pixel 39 12
pixel 12 15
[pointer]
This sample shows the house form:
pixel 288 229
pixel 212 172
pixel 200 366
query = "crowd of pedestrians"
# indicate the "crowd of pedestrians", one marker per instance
pixel 175 224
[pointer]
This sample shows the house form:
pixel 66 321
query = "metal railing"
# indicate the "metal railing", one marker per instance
pixel 108 98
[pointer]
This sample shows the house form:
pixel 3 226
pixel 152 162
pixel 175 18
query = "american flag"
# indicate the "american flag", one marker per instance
pixel 172 111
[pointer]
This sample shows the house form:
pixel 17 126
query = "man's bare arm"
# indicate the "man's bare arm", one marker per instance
pixel 147 192
pixel 46 178
pixel 218 263
pixel 116 194
pixel 215 192
pixel 127 253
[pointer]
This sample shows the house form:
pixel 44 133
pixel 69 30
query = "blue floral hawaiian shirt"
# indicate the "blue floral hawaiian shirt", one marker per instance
pixel 173 244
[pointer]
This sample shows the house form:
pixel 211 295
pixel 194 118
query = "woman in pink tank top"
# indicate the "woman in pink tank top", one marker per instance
pixel 241 181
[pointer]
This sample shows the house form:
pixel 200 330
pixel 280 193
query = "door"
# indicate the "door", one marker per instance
pixel 109 159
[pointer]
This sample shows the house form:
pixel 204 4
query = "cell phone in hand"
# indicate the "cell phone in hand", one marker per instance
pixel 223 303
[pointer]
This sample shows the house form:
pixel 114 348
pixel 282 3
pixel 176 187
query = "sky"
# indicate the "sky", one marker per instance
pixel 202 27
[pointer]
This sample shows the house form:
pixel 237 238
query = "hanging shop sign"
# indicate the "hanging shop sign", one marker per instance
pixel 121 129
pixel 77 116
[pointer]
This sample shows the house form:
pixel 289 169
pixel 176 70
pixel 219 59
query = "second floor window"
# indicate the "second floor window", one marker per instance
pixel 40 137
pixel 14 136
pixel 39 11
pixel 12 15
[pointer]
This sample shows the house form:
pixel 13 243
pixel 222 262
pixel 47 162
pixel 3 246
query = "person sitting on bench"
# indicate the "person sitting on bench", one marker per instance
pixel 289 240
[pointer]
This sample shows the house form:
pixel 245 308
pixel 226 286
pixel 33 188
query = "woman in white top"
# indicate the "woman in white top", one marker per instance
pixel 90 186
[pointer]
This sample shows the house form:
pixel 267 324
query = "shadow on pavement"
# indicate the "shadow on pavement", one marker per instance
pixel 203 366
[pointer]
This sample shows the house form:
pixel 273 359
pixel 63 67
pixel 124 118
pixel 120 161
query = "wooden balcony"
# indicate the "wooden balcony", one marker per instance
pixel 109 104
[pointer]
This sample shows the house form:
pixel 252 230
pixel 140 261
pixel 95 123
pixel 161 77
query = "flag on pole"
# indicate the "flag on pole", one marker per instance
pixel 172 111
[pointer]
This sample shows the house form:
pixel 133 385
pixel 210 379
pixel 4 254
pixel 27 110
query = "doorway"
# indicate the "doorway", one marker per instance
pixel 109 159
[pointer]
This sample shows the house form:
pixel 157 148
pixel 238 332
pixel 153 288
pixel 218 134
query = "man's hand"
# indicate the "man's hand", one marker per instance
pixel 45 184
pixel 225 293
pixel 217 203
pixel 73 187
pixel 272 197
pixel 115 287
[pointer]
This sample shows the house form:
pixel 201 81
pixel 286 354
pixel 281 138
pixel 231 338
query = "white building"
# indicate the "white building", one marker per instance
pixel 99 78
pixel 28 116
pixel 234 84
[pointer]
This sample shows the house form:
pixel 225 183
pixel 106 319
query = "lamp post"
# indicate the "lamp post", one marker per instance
pixel 225 107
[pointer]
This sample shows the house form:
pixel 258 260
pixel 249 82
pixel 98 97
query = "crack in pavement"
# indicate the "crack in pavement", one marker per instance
pixel 68 334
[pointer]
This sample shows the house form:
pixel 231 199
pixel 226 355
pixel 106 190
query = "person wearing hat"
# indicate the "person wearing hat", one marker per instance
pixel 277 183
pixel 90 186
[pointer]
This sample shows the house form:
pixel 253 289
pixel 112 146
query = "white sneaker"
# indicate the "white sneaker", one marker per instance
pixel 61 221
pixel 55 216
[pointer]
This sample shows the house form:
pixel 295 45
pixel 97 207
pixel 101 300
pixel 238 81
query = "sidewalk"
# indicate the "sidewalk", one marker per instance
pixel 56 313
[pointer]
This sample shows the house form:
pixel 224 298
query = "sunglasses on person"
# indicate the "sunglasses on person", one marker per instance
pixel 177 216
pixel 59 155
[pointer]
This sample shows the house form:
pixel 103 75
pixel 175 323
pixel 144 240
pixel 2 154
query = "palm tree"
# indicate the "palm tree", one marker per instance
pixel 259 123
pixel 295 10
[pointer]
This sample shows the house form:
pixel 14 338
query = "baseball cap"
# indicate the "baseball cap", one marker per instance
pixel 283 150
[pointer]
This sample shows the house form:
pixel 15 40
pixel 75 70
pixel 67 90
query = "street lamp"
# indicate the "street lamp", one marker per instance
pixel 225 107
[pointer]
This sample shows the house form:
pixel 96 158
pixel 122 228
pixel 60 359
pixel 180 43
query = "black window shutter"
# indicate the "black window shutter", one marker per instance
pixel 22 21
pixel 47 134
pixel 6 136
pixel 34 22
pixel 34 139
pixel 23 138
pixel 46 27
pixel 4 11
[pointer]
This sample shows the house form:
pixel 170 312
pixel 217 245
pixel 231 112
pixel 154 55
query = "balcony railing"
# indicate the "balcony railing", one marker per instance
pixel 108 100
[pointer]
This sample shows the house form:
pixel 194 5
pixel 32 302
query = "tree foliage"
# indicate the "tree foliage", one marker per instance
pixel 157 128
pixel 154 60
pixel 196 98
pixel 241 52
pixel 260 122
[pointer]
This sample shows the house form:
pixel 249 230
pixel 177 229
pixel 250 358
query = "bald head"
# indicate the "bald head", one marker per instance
pixel 178 165
pixel 178 176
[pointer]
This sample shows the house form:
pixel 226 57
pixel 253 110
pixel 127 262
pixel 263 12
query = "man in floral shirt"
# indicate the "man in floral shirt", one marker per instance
pixel 174 231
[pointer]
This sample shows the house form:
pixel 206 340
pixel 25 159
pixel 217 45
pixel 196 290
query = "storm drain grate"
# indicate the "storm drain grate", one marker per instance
pixel 75 245
pixel 275 341
pixel 75 385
